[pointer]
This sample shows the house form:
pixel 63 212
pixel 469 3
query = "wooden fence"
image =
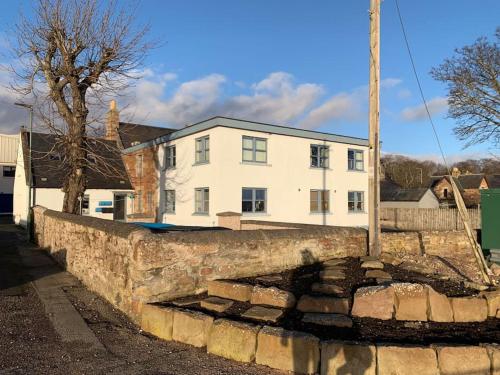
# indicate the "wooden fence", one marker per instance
pixel 427 218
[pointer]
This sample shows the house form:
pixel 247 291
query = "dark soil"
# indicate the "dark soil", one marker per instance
pixel 299 281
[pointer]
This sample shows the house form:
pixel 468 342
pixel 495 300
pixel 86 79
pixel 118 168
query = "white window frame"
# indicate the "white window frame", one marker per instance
pixel 253 150
pixel 355 201
pixel 254 200
pixel 321 193
pixel 169 206
pixel 352 164
pixel 170 157
pixel 204 202
pixel 322 161
pixel 202 155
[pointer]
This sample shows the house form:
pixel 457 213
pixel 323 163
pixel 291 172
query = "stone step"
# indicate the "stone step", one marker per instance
pixel 272 297
pixel 332 275
pixel 327 288
pixel 186 301
pixel 265 314
pixel 230 290
pixel 377 274
pixel 334 262
pixel 335 320
pixel 216 304
pixel 323 304
pixel 373 264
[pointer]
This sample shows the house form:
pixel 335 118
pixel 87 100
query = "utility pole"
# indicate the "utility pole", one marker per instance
pixel 374 130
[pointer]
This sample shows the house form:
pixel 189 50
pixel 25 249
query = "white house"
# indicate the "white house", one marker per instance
pixel 8 155
pixel 393 196
pixel 106 197
pixel 266 172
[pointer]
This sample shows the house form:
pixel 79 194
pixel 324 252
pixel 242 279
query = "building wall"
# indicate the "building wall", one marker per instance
pixel 8 156
pixel 428 200
pixel 287 176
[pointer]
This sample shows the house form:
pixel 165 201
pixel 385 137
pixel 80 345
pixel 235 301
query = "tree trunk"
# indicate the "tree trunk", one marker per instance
pixel 73 190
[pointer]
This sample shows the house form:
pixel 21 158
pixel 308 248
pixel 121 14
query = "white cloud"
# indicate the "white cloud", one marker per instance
pixel 404 94
pixel 418 113
pixel 389 83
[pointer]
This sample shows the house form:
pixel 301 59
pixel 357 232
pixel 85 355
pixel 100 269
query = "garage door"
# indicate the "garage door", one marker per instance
pixel 6 202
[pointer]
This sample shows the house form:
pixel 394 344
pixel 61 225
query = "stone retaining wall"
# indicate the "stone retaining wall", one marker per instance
pixel 306 354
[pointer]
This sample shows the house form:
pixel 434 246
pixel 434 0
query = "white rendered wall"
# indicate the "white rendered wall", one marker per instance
pixel 287 176
pixel 8 156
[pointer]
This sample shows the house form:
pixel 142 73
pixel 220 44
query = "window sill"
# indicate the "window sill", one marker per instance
pixel 356 212
pixel 201 163
pixel 321 168
pixel 255 214
pixel 320 213
pixel 356 170
pixel 200 214
pixel 256 163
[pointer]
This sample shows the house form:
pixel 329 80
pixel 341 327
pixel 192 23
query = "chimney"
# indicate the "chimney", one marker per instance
pixel 112 122
pixel 455 172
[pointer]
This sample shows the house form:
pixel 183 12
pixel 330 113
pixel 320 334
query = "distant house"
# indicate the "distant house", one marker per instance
pixel 107 196
pixel 493 181
pixel 468 184
pixel 393 196
pixel 8 155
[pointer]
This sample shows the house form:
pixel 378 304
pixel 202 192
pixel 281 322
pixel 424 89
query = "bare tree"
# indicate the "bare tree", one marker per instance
pixel 472 76
pixel 75 54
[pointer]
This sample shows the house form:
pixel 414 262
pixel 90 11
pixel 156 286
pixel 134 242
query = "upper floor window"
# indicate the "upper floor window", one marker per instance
pixel 202 150
pixel 170 201
pixel 356 201
pixel 319 156
pixel 170 157
pixel 138 165
pixel 253 200
pixel 320 200
pixel 201 200
pixel 254 149
pixel 355 160
pixel 9 171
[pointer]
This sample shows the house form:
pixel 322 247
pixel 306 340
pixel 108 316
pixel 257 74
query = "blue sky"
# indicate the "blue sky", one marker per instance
pixel 299 63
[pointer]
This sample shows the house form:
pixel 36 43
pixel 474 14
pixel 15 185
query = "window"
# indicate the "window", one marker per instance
pixel 170 157
pixel 356 201
pixel 138 165
pixel 355 160
pixel 9 171
pixel 254 149
pixel 253 200
pixel 320 201
pixel 138 202
pixel 85 204
pixel 201 200
pixel 445 193
pixel 170 201
pixel 319 156
pixel 202 150
pixel 149 200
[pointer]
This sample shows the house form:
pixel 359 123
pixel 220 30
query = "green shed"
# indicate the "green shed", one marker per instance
pixel 490 222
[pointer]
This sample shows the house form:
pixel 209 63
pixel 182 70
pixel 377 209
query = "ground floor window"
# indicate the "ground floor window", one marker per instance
pixel 356 201
pixel 202 199
pixel 9 171
pixel 170 201
pixel 253 200
pixel 320 200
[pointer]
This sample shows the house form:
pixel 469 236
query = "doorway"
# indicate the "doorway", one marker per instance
pixel 119 207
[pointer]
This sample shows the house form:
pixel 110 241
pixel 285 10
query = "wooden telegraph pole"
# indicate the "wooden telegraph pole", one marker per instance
pixel 374 130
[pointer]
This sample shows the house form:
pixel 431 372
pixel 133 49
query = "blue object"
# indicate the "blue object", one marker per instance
pixel 98 209
pixel 105 203
pixel 154 225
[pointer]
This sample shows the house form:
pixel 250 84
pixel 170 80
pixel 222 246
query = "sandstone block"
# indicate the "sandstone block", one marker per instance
pixel 400 360
pixel 216 304
pixel 374 302
pixel 411 301
pixel 340 358
pixel 191 327
pixel 469 309
pixel 334 320
pixel 265 314
pixel 230 290
pixel 323 304
pixel 373 264
pixel 493 301
pixel 186 301
pixel 326 288
pixel 288 350
pixel 439 307
pixel 272 297
pixel 330 274
pixel 157 320
pixel 377 274
pixel 390 259
pixel 334 262
pixel 463 360
pixel 233 340
pixel 494 352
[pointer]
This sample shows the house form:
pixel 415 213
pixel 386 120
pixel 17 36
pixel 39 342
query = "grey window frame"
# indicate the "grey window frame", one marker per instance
pixel 9 171
pixel 319 200
pixel 253 149
pixel 355 201
pixel 204 150
pixel 319 157
pixel 354 161
pixel 169 206
pixel 206 202
pixel 170 158
pixel 254 200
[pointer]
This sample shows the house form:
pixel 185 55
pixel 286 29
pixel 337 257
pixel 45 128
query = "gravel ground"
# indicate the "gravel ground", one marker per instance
pixel 29 345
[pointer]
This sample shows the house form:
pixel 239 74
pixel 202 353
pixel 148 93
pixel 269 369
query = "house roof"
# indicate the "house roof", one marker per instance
pixel 394 193
pixel 470 181
pixel 251 126
pixel 493 181
pixel 387 189
pixel 49 171
pixel 132 134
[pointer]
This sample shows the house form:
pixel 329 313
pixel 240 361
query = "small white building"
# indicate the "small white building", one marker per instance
pixel 106 197
pixel 393 196
pixel 266 172
pixel 8 155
